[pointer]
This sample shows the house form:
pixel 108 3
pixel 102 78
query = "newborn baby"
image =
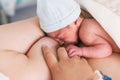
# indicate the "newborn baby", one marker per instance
pixel 98 43
pixel 61 21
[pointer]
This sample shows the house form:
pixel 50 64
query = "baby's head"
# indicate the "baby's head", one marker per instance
pixel 68 34
pixel 59 18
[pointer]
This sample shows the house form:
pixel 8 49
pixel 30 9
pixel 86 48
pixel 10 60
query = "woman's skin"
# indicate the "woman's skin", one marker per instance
pixel 15 40
pixel 109 65
pixel 18 37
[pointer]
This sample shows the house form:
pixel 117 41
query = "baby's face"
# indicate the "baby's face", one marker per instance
pixel 65 36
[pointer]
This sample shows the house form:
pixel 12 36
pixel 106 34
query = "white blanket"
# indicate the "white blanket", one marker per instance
pixel 3 77
pixel 107 13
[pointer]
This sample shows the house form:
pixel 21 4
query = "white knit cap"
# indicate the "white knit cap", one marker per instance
pixel 57 14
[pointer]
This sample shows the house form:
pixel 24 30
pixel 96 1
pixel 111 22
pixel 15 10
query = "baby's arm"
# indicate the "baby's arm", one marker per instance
pixel 94 51
pixel 99 48
pixel 92 35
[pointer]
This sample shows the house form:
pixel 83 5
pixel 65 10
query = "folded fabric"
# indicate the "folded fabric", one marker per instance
pixel 113 5
pixel 108 19
pixel 3 77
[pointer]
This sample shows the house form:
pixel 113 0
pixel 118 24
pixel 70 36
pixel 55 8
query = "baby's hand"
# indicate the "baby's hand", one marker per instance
pixel 74 50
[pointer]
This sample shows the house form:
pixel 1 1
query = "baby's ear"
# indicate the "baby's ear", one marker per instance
pixel 78 21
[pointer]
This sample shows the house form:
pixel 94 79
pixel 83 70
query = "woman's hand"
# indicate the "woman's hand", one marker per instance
pixel 65 68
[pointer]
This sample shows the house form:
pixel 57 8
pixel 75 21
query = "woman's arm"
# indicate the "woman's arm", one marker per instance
pixel 19 36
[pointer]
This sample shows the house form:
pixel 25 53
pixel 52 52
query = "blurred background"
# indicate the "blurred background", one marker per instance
pixel 15 10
